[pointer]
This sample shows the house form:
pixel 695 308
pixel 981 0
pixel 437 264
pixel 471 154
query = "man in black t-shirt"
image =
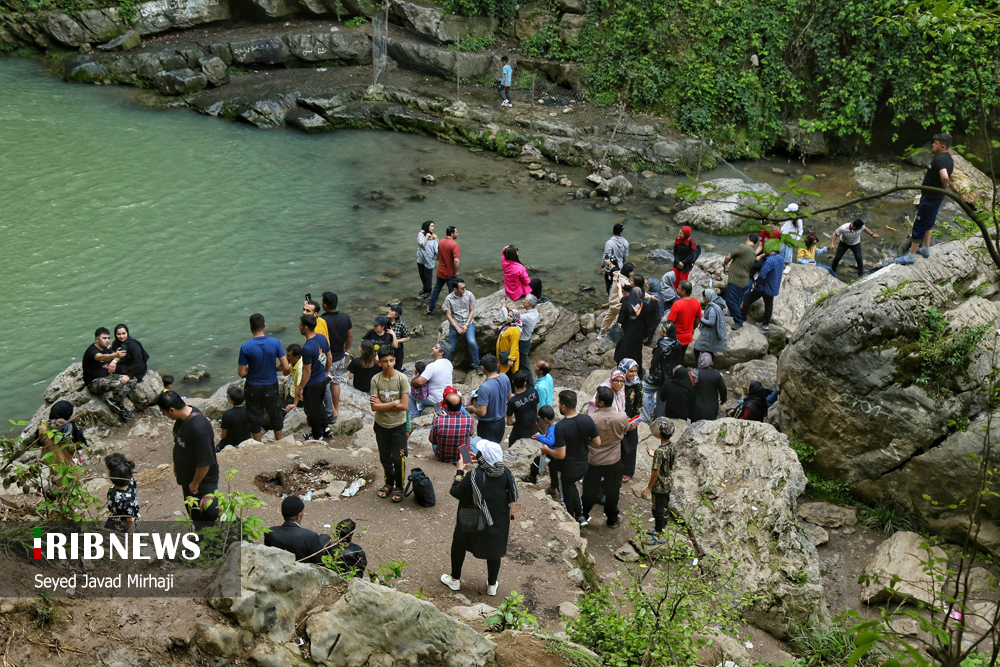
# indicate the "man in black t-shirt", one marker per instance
pixel 99 365
pixel 938 176
pixel 341 336
pixel 574 435
pixel 195 467
pixel 235 426
pixel 522 408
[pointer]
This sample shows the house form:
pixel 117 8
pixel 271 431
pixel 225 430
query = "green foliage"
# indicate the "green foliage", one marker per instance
pixel 386 574
pixel 805 451
pixel 235 506
pixel 504 10
pixel 510 616
pixel 357 22
pixel 821 488
pixel 944 354
pixel 830 647
pixel 886 518
pixel 470 44
pixel 44 612
pixel 823 296
pixel 573 657
pixel 890 292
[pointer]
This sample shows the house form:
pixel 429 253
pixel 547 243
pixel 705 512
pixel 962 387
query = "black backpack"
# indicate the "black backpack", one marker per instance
pixel 419 484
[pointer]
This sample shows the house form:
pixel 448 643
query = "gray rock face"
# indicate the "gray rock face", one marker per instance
pixel 160 15
pixel 572 6
pixel 619 186
pixel 713 211
pixel 306 121
pixel 125 42
pixel 556 326
pixel 375 625
pixel 744 345
pixel 763 370
pixel 214 69
pixel 64 29
pixel 571 26
pixel 441 61
pixel 100 25
pixel 903 556
pixel 828 515
pixel 264 50
pixel 799 140
pixel 752 519
pixel 849 386
pixel 275 590
pixel 180 81
pixel 88 72
pixel 265 114
pixel 276 8
pixel 872 178
pixel 799 289
pixel 352 47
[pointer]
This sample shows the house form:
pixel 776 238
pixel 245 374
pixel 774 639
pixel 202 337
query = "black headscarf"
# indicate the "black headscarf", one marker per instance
pixel 59 418
pixel 755 404
pixel 61 410
pixel 134 363
pixel 426 227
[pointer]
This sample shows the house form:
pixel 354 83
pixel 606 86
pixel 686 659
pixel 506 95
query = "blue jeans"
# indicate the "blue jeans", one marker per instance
pixel 734 302
pixel 927 211
pixel 416 407
pixel 470 338
pixel 436 292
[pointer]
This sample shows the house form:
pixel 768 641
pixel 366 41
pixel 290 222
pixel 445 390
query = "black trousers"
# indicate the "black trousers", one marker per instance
pixel 858 259
pixel 458 559
pixel 571 495
pixel 752 298
pixel 630 445
pixel 524 349
pixel 313 396
pixel 553 469
pixel 660 502
pixel 426 278
pixel 392 446
pixel 203 513
pixel 606 480
pixel 535 285
pixel 492 431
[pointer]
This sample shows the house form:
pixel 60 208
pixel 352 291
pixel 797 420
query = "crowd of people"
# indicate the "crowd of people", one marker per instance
pixel 588 453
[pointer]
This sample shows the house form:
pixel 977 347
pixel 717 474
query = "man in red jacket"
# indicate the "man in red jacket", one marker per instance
pixel 685 314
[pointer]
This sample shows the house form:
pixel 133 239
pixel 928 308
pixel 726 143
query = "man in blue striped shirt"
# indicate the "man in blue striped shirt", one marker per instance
pixel 766 287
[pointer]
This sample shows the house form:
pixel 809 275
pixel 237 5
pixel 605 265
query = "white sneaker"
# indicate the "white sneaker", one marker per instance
pixel 492 590
pixel 453 584
pixel 788 269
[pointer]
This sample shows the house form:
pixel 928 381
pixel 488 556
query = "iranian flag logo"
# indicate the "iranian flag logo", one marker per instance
pixel 38 543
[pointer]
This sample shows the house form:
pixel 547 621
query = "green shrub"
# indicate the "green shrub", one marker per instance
pixel 357 22
pixel 886 519
pixel 510 616
pixel 829 647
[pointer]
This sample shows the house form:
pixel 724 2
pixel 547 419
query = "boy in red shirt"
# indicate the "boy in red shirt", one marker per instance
pixel 685 314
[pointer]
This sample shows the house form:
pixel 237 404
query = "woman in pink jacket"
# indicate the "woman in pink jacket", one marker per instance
pixel 516 283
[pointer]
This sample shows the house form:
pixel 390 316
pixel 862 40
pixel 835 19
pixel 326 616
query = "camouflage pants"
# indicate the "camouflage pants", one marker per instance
pixel 112 384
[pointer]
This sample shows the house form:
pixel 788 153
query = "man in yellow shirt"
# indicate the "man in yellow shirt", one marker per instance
pixel 312 308
pixel 294 352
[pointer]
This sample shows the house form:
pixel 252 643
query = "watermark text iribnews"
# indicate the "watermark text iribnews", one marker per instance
pixel 128 546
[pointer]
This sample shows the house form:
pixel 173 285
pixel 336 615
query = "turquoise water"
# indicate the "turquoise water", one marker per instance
pixel 182 226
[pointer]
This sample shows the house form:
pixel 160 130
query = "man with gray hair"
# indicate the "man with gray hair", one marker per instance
pixel 437 377
pixel 459 308
pixel 938 176
pixel 529 320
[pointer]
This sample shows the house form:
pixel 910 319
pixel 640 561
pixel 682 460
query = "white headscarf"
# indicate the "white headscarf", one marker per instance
pixel 490 452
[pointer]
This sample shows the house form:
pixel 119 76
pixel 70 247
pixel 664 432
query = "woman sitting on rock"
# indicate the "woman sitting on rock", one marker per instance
pixel 714 336
pixel 754 406
pixel 508 351
pixel 516 283
pixel 482 527
pixel 134 362
pixel 686 253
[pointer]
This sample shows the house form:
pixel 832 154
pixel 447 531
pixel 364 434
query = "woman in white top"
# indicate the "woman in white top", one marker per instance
pixel 792 228
pixel 427 250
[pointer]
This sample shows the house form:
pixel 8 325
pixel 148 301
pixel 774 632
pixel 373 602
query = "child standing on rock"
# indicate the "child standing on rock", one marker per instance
pixel 659 480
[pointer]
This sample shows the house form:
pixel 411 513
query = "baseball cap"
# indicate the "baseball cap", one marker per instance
pixel 381 321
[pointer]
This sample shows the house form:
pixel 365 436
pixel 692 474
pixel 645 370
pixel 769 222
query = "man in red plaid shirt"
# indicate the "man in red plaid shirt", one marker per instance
pixel 450 429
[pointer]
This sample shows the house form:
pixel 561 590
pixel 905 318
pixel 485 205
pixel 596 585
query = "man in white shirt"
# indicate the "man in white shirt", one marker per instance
pixel 850 238
pixel 437 376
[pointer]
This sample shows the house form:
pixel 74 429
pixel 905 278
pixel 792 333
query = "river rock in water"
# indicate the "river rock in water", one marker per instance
pixel 852 387
pixel 712 211
pixel 735 484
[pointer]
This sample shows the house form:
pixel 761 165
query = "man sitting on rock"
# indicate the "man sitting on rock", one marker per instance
pixel 306 545
pixel 101 381
pixel 347 553
pixel 450 429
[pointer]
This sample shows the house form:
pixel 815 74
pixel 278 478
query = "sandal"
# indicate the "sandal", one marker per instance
pixel 625 478
pixel 397 495
pixel 384 491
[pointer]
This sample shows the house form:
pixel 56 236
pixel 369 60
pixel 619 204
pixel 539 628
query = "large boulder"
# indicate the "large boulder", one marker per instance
pixel 350 47
pixel 735 484
pixel 743 345
pixel 160 15
pixel 275 589
pixel 556 327
pixel 763 370
pixel 907 569
pixel 375 625
pixel 872 177
pixel 437 60
pixel 858 385
pixel 799 290
pixel 180 82
pixel 798 139
pixel 712 210
pixel 966 179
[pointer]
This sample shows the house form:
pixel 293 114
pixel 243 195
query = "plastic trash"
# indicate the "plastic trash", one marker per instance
pixel 710 281
pixel 353 489
pixel 748 646
pixel 308 497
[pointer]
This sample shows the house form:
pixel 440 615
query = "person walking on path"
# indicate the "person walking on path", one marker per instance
pixel 99 380
pixel 459 308
pixel 604 472
pixel 793 229
pixel 195 466
pixel 491 401
pixel 256 366
pixel 447 269
pixel 516 283
pixel 615 255
pixel 529 320
pixel 400 330
pixel 621 287
pixel 390 402
pixel 659 480
pixel 508 341
pixel 685 314
pixel 709 390
pixel 737 266
pixel 766 287
pixel 341 336
pixel 427 250
pixel 437 375
pixel 489 490
pixel 312 387
pixel 850 238
pixel 714 336
pixel 686 253
pixel 506 75
pixel 938 176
